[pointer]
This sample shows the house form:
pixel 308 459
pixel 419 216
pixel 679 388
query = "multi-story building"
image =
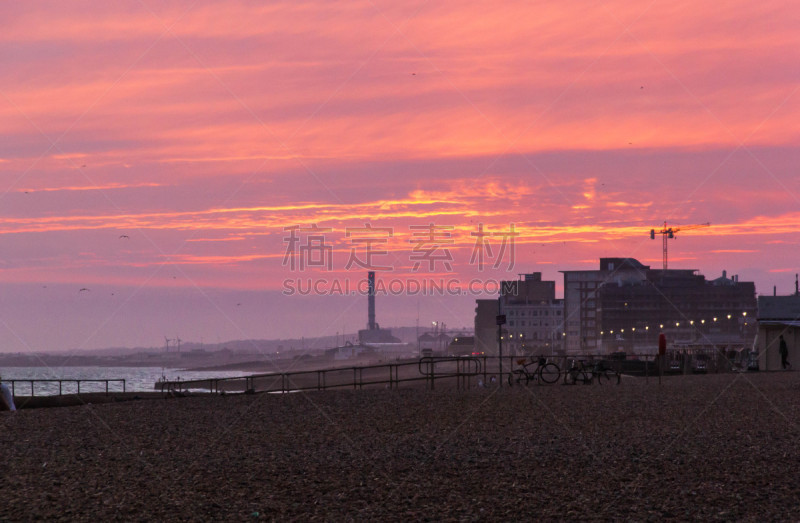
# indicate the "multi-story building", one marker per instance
pixel 625 305
pixel 534 318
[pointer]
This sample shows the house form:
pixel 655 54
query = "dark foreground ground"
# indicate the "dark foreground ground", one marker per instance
pixel 721 447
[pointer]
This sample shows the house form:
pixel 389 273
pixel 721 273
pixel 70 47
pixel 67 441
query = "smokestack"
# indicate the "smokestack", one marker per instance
pixel 371 311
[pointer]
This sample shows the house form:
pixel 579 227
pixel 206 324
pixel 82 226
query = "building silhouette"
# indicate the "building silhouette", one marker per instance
pixel 625 305
pixel 534 318
pixel 778 316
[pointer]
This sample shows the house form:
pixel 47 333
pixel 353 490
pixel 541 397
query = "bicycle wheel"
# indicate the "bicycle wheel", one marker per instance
pixel 572 376
pixel 549 373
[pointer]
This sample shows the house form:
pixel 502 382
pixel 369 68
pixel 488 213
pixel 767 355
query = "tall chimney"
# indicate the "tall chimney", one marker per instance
pixel 371 311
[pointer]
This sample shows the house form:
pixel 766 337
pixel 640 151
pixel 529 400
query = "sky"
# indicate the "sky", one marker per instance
pixel 223 170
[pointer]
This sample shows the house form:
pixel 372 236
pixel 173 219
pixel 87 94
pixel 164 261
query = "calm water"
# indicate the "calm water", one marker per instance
pixel 137 379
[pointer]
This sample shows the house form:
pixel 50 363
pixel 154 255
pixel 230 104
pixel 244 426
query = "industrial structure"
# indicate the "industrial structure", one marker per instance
pixel 668 233
pixel 373 334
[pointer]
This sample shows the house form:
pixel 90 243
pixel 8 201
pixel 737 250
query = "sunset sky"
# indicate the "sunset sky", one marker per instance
pixel 158 155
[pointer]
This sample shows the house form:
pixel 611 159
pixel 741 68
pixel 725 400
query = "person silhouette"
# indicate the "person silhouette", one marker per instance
pixel 6 398
pixel 784 352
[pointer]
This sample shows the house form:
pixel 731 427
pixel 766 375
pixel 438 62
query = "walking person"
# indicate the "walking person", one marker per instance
pixel 784 352
pixel 6 398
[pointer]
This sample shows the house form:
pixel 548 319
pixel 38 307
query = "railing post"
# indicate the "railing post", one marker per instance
pixel 59 387
pixel 79 386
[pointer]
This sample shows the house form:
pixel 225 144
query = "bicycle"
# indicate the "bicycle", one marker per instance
pixel 605 374
pixel 535 369
pixel 586 374
pixel 579 372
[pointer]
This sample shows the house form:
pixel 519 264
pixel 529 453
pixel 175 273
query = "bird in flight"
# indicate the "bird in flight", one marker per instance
pixel 125 236
pixel 84 289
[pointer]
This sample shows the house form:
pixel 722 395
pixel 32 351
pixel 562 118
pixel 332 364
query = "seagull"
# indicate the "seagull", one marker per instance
pixel 121 236
pixel 84 289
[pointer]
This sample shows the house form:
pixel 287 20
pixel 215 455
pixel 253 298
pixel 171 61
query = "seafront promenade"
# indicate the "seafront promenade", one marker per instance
pixel 718 447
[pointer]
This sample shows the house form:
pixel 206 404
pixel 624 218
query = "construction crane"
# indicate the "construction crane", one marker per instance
pixel 669 232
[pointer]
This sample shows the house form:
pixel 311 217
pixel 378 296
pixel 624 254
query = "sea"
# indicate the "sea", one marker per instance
pixel 137 379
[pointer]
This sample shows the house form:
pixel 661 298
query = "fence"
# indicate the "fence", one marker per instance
pixel 463 372
pixel 61 383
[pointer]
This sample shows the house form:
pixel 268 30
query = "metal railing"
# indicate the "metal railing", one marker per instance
pixel 463 372
pixel 61 383
pixel 429 370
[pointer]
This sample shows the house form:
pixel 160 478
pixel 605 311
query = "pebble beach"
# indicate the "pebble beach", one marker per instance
pixel 714 447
